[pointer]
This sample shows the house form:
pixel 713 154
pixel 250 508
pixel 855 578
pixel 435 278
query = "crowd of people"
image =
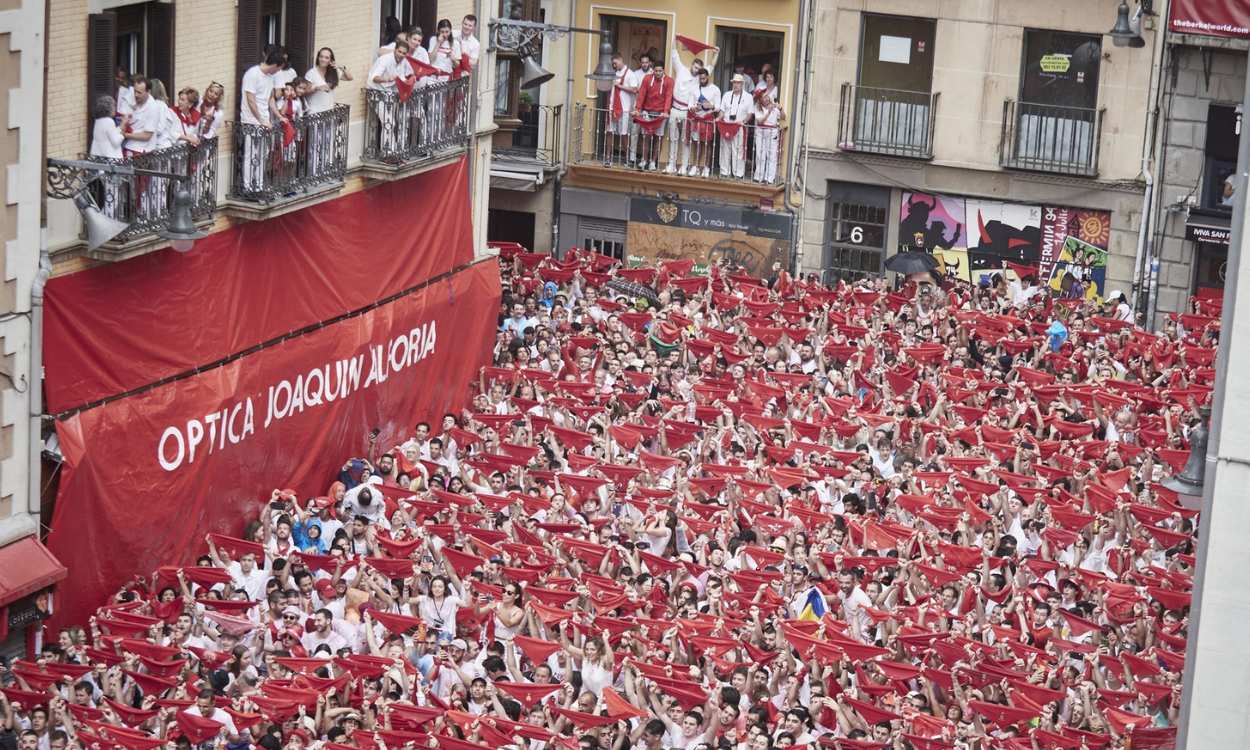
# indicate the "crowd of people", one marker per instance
pixel 649 109
pixel 734 514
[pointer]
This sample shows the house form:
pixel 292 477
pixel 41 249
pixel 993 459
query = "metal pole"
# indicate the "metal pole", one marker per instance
pixel 1236 238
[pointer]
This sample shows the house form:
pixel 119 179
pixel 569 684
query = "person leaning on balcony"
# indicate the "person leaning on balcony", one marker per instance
pixel 768 116
pixel 655 99
pixel 211 113
pixel 386 70
pixel 621 104
pixel 735 108
pixel 703 129
pixel 144 121
pixel 106 142
pixel 185 125
pixel 444 49
pixel 257 91
pixel 470 47
pixel 106 136
pixel 323 78
pixel 685 90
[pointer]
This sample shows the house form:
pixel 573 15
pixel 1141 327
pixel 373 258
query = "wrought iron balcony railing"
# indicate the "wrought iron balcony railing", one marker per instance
pixel 723 151
pixel 279 163
pixel 433 119
pixel 145 203
pixel 1049 138
pixel 538 139
pixel 892 122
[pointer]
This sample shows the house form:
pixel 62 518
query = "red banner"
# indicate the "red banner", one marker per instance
pixel 146 477
pixel 121 326
pixel 1211 17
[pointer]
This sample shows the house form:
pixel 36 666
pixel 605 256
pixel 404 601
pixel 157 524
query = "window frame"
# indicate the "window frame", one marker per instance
pixel 1025 62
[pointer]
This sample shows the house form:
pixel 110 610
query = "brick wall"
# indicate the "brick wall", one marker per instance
pixel 66 123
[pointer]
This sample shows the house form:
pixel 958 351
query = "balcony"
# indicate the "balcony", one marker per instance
pixel 145 203
pixel 526 149
pixel 1048 138
pixel 601 148
pixel 890 122
pixel 277 170
pixel 402 136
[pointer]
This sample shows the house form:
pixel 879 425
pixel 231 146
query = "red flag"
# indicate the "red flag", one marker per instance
pixel 535 648
pixel 197 728
pixel 696 47
pixel 619 708
pixel 528 693
pixel 397 623
pixel 406 85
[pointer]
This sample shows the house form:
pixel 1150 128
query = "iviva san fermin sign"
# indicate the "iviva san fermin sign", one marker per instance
pixel 1211 17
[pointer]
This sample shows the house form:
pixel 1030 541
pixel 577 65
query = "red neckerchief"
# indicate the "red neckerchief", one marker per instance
pixel 190 119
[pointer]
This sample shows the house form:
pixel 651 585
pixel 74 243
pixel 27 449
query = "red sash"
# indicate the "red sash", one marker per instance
pixel 703 125
pixel 618 106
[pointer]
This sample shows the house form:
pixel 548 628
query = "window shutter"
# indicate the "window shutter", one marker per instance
pixel 301 23
pixel 247 42
pixel 101 58
pixel 161 45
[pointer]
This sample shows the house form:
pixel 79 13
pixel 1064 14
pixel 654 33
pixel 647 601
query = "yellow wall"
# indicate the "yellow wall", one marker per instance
pixel 698 20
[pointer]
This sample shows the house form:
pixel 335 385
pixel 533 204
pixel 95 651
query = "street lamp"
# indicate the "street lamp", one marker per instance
pixel 1127 33
pixel 69 179
pixel 519 36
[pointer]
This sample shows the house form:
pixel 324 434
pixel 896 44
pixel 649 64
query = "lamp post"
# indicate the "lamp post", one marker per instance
pixel 515 35
pixel 69 179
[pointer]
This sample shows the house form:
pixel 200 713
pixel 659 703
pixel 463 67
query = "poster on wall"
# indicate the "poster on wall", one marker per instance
pixel 666 230
pixel 976 239
pixel 1080 272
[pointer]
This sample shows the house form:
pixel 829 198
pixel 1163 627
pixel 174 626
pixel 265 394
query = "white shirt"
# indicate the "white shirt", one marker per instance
pixel 469 45
pixel 253 583
pixel 318 100
pixel 386 66
pixel 260 86
pixel 125 100
pixel 209 125
pixel 710 93
pixel 627 78
pixel 852 612
pixel 106 138
pixel 736 107
pixel 283 77
pixel 770 117
pixel 444 56
pixel 685 85
pixel 149 118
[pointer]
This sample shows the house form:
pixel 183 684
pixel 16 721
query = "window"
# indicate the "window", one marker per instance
pixel 855 231
pixel 1223 128
pixel 891 111
pixel 135 38
pixel 749 52
pixel 1060 69
pixel 634 37
pixel 265 22
pixel 407 13
pixel 1211 266
pixel 271 29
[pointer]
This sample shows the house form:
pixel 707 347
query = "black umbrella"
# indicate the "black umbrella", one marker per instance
pixel 634 289
pixel 911 261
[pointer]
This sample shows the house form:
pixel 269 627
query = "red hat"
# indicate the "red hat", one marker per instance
pixel 325 587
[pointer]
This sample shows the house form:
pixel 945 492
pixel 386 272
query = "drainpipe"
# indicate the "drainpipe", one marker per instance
pixel 1141 276
pixel 34 383
pixel 568 112
pixel 798 147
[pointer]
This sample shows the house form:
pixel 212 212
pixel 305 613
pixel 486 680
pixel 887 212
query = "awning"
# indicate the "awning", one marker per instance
pixel 1207 228
pixel 25 567
pixel 516 179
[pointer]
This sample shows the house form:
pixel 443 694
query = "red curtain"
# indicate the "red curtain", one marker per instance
pixel 121 326
pixel 135 495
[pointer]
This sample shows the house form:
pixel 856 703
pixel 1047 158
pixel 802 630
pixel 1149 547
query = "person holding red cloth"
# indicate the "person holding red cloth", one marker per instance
pixel 655 98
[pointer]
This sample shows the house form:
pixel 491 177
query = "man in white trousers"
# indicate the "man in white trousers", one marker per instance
pixel 735 109
pixel 685 90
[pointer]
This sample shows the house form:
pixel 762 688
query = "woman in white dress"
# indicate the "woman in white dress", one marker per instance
pixel 768 116
pixel 210 110
pixel 508 613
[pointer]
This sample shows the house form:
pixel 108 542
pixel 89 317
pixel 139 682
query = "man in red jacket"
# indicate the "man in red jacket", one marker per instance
pixel 655 98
